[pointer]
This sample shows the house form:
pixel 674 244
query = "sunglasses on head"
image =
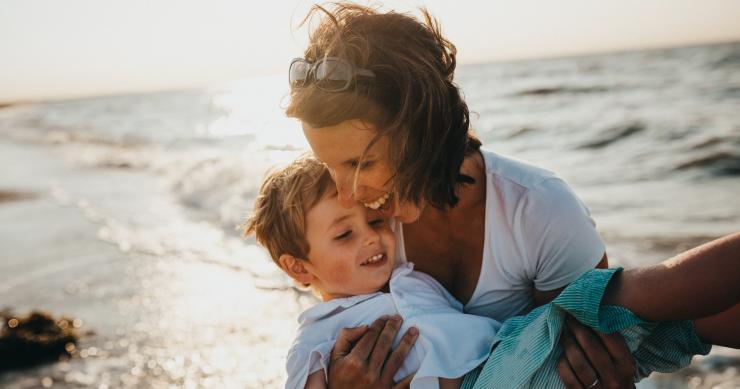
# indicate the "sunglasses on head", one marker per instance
pixel 330 74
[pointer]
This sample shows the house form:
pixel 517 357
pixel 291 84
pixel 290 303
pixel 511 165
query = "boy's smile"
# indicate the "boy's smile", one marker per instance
pixel 352 250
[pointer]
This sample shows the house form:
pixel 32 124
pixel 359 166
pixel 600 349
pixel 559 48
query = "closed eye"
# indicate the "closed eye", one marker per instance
pixel 343 235
pixel 377 222
pixel 365 164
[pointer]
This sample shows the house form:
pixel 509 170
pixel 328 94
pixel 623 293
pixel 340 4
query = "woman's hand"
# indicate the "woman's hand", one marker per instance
pixel 594 360
pixel 360 358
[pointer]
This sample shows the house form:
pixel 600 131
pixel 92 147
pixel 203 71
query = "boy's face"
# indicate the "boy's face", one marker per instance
pixel 352 250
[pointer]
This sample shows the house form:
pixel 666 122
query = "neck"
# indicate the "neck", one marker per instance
pixel 326 296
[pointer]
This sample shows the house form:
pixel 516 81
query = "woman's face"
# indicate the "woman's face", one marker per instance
pixel 341 148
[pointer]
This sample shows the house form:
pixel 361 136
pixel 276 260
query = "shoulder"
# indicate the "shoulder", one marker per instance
pixel 507 170
pixel 496 175
pixel 522 194
pixel 551 228
pixel 519 184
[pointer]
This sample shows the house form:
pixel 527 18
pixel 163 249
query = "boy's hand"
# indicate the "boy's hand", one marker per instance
pixel 360 356
pixel 594 360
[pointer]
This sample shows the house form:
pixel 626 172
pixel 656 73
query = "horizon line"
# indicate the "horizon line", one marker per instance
pixel 72 96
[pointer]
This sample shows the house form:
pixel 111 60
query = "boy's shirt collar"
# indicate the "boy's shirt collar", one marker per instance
pixel 332 307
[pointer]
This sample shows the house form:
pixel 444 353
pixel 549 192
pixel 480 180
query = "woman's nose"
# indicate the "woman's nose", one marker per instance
pixel 344 190
pixel 345 197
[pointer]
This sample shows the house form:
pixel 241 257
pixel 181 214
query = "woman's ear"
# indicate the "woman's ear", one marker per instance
pixel 296 268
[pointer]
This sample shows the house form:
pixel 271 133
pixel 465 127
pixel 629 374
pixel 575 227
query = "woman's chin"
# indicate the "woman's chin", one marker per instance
pixel 388 209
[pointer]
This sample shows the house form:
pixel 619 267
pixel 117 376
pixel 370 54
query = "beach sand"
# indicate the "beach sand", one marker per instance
pixel 156 318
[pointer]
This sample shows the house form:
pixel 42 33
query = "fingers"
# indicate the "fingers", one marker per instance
pixel 597 356
pixel 347 337
pixel 576 359
pixel 405 383
pixel 384 343
pixel 365 345
pixel 567 375
pixel 367 349
pixel 620 354
pixel 398 356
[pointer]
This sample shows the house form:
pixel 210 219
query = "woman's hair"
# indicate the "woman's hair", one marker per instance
pixel 412 98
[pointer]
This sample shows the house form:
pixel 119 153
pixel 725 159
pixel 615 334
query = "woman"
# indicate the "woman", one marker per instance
pixel 375 96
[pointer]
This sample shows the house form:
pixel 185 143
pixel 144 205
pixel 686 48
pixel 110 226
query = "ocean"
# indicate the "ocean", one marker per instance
pixel 122 210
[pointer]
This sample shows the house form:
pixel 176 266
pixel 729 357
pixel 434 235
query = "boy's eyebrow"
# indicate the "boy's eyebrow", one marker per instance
pixel 338 220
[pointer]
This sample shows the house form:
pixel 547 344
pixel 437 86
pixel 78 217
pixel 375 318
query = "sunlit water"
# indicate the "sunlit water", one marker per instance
pixel 134 227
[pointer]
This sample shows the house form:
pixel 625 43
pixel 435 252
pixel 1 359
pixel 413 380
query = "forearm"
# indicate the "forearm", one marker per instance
pixel 450 383
pixel 316 380
pixel 697 283
pixel 720 329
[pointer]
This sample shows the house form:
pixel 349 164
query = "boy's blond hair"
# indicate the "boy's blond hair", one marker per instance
pixel 278 218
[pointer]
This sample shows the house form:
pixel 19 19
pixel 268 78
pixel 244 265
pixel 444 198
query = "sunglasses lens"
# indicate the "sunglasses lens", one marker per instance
pixel 333 74
pixel 298 72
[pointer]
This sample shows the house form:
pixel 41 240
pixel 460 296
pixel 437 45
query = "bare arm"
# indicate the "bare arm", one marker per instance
pixel 697 283
pixel 720 329
pixel 450 383
pixel 316 380
pixel 701 284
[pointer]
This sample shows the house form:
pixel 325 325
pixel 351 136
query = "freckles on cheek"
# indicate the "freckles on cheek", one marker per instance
pixel 375 180
pixel 342 274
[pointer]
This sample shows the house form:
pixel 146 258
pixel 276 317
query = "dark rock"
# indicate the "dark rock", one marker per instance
pixel 35 339
pixel 8 196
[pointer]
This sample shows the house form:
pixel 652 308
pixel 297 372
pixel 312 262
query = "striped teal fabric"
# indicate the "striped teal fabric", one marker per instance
pixel 526 351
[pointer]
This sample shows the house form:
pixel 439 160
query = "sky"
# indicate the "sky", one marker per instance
pixel 67 48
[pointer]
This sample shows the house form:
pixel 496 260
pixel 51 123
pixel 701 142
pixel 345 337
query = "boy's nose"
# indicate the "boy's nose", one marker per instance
pixel 372 238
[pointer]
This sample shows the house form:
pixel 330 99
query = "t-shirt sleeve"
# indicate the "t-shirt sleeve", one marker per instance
pixel 558 235
pixel 303 362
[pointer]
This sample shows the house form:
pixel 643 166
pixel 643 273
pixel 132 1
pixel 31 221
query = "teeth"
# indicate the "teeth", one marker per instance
pixel 373 259
pixel 379 202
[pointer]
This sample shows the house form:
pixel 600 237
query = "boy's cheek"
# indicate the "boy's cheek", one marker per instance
pixel 389 240
pixel 343 275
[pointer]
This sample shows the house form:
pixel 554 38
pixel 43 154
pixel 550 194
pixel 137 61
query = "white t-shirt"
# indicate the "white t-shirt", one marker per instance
pixel 450 343
pixel 538 235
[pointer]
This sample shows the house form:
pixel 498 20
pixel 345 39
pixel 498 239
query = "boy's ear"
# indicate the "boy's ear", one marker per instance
pixel 295 268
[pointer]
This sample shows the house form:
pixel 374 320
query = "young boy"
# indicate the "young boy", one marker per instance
pixel 347 255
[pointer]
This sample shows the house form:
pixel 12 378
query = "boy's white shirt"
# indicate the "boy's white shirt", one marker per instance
pixel 450 343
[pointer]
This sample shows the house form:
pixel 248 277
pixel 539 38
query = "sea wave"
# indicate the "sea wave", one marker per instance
pixel 614 134
pixel 730 59
pixel 719 163
pixel 556 90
